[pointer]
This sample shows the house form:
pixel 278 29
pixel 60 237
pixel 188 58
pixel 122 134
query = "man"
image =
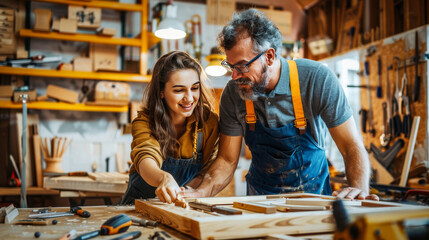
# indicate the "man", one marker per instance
pixel 283 111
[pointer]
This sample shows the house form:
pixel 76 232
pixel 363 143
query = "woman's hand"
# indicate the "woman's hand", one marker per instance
pixel 168 189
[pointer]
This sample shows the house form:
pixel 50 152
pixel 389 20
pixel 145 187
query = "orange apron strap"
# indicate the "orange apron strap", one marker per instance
pixel 250 115
pixel 300 121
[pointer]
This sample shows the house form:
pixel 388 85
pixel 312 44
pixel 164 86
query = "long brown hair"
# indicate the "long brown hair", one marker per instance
pixel 156 108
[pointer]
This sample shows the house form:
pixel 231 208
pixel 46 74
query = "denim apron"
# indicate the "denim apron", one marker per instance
pixel 182 170
pixel 285 159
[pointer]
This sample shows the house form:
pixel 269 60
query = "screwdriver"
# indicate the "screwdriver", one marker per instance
pixel 117 224
pixel 144 222
pixel 78 211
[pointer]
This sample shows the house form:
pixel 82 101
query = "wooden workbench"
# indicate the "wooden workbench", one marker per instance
pixel 99 214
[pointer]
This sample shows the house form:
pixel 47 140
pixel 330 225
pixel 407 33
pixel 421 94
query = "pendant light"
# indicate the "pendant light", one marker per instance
pixel 170 27
pixel 214 68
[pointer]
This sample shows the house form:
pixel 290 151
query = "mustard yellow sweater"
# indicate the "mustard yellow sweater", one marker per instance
pixel 144 145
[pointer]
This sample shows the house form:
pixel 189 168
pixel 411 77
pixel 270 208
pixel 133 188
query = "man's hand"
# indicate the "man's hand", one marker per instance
pixel 354 193
pixel 168 189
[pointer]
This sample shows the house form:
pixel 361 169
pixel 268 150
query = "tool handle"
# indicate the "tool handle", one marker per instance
pixel 89 235
pixel 117 224
pixel 83 213
pixel 82 173
pixel 416 89
pixel 363 117
pixel 379 91
pixel 366 68
pixel 130 235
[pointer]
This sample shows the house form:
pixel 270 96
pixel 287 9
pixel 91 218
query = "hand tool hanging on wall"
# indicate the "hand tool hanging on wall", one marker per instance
pixel 416 89
pixel 363 118
pixel 406 116
pixel 197 41
pixel 385 136
pixel 389 105
pixel 189 37
pixel 406 120
pixel 398 94
pixel 396 120
pixel 386 157
pixel 370 113
pixel 379 89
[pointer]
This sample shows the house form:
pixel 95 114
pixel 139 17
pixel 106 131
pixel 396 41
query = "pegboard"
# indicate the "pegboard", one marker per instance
pixel 402 46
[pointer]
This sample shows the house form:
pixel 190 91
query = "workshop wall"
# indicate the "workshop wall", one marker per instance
pixel 401 46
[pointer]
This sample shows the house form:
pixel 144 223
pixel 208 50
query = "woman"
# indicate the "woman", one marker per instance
pixel 175 136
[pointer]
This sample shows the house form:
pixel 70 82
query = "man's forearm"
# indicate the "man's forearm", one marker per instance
pixel 358 168
pixel 217 177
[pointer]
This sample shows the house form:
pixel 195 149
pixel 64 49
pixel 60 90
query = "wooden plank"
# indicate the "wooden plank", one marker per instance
pixel 410 151
pixel 255 207
pixel 109 176
pixel 319 202
pixel 292 207
pixel 84 184
pixel 226 200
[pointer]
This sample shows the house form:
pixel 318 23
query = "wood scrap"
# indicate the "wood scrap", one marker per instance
pixel 109 176
pixel 226 200
pixel 410 151
pixel 319 202
pixel 9 213
pixel 291 207
pixel 255 207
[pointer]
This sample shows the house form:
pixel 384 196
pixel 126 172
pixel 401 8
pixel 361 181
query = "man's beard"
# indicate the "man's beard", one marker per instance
pixel 256 89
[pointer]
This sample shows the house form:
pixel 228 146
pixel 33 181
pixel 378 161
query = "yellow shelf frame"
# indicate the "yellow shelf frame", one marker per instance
pixel 99 4
pixel 63 106
pixel 110 76
pixel 79 37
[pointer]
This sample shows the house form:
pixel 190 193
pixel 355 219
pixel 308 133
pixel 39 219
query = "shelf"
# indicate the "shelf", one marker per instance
pixel 110 76
pixel 99 4
pixel 62 106
pixel 92 38
pixel 16 191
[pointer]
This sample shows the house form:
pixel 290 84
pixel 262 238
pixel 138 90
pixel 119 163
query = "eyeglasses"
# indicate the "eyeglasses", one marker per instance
pixel 240 68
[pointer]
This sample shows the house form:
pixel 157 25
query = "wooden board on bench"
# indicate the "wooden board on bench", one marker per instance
pixel 202 224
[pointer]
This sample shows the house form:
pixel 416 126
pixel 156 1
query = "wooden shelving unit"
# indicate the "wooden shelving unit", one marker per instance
pixel 142 41
pixel 99 4
pixel 41 105
pixel 110 76
pixel 92 38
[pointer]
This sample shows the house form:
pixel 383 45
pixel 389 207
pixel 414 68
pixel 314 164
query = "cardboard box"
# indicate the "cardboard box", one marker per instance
pixel 43 19
pixel 6 91
pixel 65 67
pixel 82 64
pixel 86 17
pixel 104 56
pixel 68 25
pixel 62 94
pixel 107 31
pixel 56 25
pixel 32 96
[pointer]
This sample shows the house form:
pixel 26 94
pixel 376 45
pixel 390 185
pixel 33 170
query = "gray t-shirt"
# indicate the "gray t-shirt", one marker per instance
pixel 324 102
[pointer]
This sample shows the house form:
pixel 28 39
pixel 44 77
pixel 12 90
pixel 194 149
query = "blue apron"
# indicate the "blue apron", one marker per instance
pixel 182 170
pixel 285 159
